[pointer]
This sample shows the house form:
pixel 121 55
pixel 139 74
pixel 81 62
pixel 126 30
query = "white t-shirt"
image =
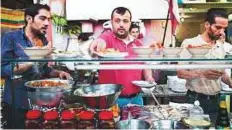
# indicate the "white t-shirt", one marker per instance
pixel 200 85
pixel 196 41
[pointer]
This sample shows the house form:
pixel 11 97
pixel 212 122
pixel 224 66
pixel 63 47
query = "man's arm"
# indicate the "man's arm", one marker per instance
pixel 227 80
pixel 8 47
pixel 97 45
pixel 61 74
pixel 188 74
pixel 192 74
pixel 148 75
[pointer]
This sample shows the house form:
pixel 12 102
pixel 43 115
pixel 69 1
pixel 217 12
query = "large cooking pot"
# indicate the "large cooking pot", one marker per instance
pixel 48 96
pixel 99 96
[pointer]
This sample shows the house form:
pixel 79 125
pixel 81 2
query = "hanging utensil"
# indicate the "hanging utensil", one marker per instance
pixel 159 107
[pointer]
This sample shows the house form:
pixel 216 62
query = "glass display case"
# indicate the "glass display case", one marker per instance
pixel 160 63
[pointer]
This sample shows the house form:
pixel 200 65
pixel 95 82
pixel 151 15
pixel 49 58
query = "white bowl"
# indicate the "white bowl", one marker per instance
pixel 199 52
pixel 171 51
pixel 143 50
pixel 35 53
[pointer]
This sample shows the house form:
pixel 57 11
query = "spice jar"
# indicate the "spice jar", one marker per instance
pixel 77 110
pixel 68 120
pixel 86 120
pixel 51 120
pixel 33 119
pixel 106 120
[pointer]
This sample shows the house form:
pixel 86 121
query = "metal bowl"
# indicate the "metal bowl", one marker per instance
pixel 47 96
pixel 99 96
pixel 133 124
pixel 45 99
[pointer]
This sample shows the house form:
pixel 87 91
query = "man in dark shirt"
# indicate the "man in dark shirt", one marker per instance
pixel 37 19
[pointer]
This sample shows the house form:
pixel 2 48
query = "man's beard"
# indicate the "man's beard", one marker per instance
pixel 122 36
pixel 37 33
pixel 212 36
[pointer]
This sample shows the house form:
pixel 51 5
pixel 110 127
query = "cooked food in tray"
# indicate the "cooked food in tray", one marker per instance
pixel 48 83
pixel 111 53
pixel 196 122
pixel 201 46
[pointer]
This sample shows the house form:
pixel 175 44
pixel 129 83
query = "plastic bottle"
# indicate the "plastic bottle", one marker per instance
pixel 196 110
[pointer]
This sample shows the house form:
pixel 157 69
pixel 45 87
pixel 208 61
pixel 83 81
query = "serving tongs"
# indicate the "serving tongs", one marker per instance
pixel 157 102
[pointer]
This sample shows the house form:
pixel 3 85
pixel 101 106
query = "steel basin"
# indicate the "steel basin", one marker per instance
pixel 99 96
pixel 47 96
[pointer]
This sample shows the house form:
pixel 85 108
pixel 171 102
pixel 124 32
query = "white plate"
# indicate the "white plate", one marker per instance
pixel 226 88
pixel 179 90
pixel 144 84
pixel 113 55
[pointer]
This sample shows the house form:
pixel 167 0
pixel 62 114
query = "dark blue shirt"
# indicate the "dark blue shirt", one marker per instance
pixel 11 47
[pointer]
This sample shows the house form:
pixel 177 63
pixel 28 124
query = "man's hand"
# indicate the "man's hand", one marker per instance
pixel 97 46
pixel 150 79
pixel 156 44
pixel 148 75
pixel 64 75
pixel 212 74
pixel 21 68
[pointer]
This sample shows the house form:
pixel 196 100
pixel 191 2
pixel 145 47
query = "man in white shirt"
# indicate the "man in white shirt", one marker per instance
pixel 205 84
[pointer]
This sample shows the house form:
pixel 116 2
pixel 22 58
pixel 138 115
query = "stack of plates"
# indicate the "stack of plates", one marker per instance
pixel 176 84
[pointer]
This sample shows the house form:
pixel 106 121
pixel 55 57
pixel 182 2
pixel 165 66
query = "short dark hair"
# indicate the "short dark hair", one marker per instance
pixel 134 25
pixel 121 10
pixel 33 10
pixel 215 12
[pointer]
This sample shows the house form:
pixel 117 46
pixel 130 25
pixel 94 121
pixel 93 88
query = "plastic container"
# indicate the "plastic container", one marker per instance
pixel 51 120
pixel 196 110
pixel 33 119
pixel 86 120
pixel 106 120
pixel 68 120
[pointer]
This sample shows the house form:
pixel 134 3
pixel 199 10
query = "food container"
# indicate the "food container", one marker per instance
pixel 37 53
pixel 163 124
pixel 33 119
pixel 86 120
pixel 49 95
pixel 106 120
pixel 171 51
pixel 51 120
pixel 196 123
pixel 133 124
pixel 68 120
pixel 99 96
pixel 199 52
pixel 143 50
